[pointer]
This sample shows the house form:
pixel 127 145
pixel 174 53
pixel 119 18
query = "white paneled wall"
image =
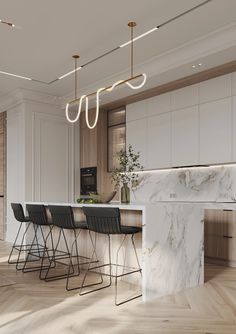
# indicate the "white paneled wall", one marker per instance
pixel 190 126
pixel 42 157
pixel 52 158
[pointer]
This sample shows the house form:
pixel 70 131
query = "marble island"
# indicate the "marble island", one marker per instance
pixel 171 247
pixel 172 217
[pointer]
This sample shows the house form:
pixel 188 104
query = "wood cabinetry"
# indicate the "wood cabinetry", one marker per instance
pixel 88 142
pixel 93 149
pixel 220 236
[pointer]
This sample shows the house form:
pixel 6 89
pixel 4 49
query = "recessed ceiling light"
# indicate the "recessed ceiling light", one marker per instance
pixel 7 23
pixel 193 66
pixel 200 64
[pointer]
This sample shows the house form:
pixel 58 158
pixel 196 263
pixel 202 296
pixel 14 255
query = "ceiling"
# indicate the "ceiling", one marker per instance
pixel 49 32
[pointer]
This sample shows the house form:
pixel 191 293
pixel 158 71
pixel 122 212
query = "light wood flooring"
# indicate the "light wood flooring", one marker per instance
pixel 31 306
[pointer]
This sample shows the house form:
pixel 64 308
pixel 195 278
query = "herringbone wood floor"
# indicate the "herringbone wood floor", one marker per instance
pixel 31 306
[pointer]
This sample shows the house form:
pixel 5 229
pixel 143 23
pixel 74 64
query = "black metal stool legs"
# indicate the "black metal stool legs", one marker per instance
pixel 37 252
pixel 125 274
pixel 110 275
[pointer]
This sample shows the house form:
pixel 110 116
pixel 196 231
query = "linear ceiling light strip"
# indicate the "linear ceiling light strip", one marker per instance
pixel 115 49
pixel 15 75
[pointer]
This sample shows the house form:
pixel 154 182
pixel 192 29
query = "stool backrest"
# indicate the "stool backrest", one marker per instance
pixel 18 212
pixel 37 214
pixel 103 220
pixel 62 216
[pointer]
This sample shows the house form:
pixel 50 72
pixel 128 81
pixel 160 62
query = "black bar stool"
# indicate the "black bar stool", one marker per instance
pixel 107 221
pixel 22 247
pixel 63 218
pixel 38 215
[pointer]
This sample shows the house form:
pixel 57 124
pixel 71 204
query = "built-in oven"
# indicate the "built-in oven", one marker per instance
pixel 88 180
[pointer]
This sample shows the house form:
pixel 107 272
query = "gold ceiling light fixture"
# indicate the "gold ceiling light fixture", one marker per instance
pixel 110 88
pixel 9 24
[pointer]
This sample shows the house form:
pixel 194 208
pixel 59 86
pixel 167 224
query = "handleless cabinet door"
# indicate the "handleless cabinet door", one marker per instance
pixel 136 135
pixel 159 141
pixel 215 132
pixel 185 137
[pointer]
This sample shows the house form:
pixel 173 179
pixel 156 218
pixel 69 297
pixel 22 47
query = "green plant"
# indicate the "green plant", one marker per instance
pixel 128 166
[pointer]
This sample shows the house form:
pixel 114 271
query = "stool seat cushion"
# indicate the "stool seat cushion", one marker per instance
pixel 130 229
pixel 81 224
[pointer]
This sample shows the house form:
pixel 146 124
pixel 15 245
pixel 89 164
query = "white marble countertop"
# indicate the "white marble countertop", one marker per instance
pixel 130 206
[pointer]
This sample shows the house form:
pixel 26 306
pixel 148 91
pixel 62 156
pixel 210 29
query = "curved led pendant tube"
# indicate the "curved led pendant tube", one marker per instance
pixel 79 109
pixel 97 110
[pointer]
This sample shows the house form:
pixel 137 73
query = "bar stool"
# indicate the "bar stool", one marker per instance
pixel 38 215
pixel 107 221
pixel 63 218
pixel 22 247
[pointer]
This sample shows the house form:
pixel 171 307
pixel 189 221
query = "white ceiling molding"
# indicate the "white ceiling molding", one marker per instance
pixel 212 43
pixel 22 95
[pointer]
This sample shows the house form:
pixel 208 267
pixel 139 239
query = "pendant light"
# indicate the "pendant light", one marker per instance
pixel 84 98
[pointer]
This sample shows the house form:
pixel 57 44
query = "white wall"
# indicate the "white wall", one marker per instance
pixel 15 164
pixel 42 156
pixel 190 126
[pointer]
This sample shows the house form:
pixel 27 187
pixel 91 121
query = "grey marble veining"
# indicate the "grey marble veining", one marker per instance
pixel 216 183
pixel 173 255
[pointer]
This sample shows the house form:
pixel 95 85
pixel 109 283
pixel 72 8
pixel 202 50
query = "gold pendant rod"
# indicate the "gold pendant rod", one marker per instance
pixel 132 25
pixel 76 57
pixel 109 87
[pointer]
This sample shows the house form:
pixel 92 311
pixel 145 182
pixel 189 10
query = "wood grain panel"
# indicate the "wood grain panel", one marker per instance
pixel 220 236
pixel 88 142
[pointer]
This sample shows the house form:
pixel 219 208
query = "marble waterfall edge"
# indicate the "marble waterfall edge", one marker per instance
pixel 173 251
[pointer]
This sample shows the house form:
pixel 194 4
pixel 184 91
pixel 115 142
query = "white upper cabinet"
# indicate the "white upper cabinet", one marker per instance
pixel 185 137
pixel 159 141
pixel 234 83
pixel 234 128
pixel 215 132
pixel 158 105
pixel 189 126
pixel 215 89
pixel 184 97
pixel 136 110
pixel 136 135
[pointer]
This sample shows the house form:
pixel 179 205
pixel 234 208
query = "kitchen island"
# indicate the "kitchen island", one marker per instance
pixel 171 245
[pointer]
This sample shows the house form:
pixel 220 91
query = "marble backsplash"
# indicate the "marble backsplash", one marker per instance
pixel 198 184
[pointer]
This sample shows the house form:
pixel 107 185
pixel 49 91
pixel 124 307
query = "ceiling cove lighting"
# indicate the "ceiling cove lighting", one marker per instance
pixel 16 75
pixel 84 98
